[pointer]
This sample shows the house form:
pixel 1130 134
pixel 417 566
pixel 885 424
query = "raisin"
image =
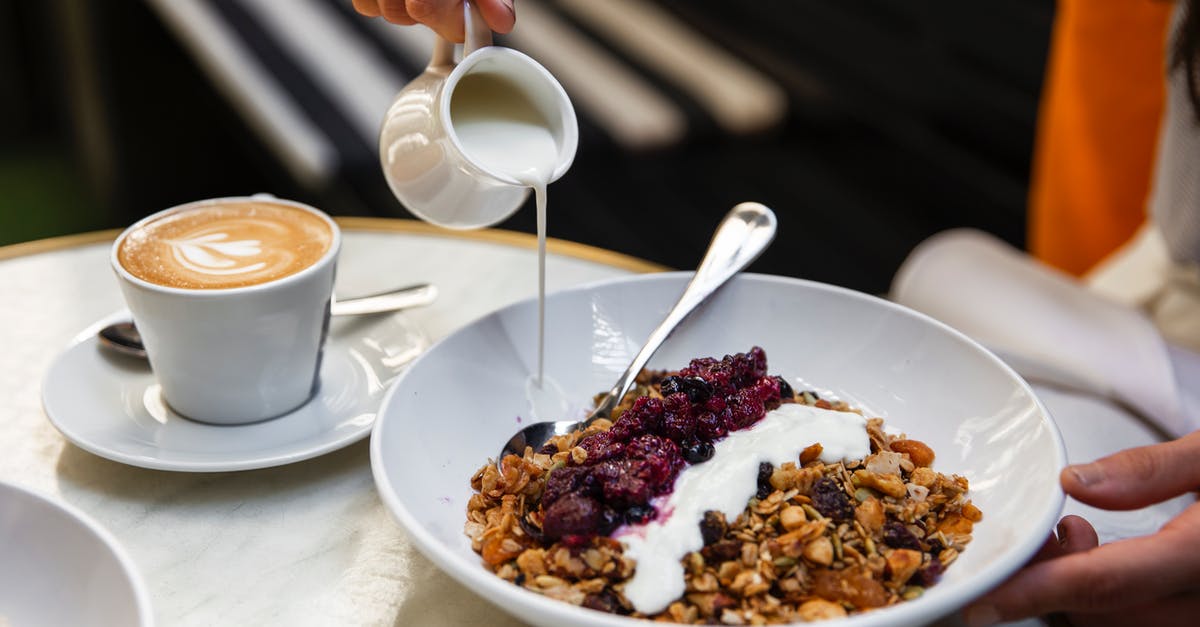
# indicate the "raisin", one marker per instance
pixel 713 527
pixel 930 574
pixel 722 551
pixel 765 470
pixel 898 536
pixel 829 499
pixel 603 601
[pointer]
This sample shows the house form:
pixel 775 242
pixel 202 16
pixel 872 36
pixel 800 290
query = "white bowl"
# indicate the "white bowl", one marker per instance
pixel 457 404
pixel 59 567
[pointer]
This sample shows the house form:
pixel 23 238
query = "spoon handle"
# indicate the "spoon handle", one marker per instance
pixel 402 298
pixel 741 237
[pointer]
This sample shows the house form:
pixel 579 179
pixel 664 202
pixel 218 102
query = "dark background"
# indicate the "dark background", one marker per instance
pixel 906 117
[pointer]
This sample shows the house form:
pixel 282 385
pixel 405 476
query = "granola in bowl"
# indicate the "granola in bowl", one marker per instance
pixel 823 533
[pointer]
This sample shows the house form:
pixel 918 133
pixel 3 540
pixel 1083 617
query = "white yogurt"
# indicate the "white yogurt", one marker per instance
pixel 725 483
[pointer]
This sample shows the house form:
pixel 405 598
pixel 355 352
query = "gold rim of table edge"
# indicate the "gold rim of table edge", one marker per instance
pixel 387 225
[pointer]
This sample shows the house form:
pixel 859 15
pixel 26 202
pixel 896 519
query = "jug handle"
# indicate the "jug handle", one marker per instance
pixel 477 35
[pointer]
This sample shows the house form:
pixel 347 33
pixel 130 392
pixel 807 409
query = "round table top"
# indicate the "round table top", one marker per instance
pixel 310 543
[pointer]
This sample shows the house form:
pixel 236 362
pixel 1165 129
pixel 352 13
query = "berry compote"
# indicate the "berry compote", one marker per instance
pixel 652 441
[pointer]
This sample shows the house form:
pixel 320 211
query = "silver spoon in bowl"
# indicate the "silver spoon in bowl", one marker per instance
pixel 741 237
pixel 123 337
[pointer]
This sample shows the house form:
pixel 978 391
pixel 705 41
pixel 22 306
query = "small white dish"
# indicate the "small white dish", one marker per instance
pixel 60 567
pixel 109 404
pixel 460 401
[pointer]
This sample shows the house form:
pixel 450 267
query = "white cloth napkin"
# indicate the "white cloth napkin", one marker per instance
pixel 1048 326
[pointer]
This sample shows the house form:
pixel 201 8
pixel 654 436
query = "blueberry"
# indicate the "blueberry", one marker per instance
pixel 639 514
pixel 785 389
pixel 698 390
pixel 698 452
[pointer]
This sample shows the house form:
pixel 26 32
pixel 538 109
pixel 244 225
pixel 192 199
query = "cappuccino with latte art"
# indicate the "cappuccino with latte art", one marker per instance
pixel 231 297
pixel 225 245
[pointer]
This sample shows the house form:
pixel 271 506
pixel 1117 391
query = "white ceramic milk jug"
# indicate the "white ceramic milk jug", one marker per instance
pixel 422 152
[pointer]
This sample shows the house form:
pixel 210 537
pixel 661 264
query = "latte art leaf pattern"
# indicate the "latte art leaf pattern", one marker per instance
pixel 210 254
pixel 225 245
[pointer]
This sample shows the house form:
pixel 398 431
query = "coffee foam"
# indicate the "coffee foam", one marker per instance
pixel 225 245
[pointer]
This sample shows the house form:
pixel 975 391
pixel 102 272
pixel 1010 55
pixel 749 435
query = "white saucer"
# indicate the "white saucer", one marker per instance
pixel 110 404
pixel 60 567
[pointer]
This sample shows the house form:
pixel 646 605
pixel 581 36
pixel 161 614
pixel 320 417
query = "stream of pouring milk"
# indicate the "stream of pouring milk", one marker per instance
pixel 501 129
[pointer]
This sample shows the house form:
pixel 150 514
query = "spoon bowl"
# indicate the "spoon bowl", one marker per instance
pixel 742 236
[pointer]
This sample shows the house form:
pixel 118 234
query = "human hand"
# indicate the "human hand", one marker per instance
pixel 445 17
pixel 1151 580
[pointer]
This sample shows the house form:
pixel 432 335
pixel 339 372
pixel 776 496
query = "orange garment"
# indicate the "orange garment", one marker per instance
pixel 1097 129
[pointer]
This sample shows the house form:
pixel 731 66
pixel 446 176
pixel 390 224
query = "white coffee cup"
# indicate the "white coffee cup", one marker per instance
pixel 420 152
pixel 233 355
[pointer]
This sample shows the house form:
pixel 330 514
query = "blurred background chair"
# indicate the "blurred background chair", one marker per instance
pixel 866 125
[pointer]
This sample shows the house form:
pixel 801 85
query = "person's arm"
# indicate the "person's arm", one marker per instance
pixel 1151 580
pixel 444 17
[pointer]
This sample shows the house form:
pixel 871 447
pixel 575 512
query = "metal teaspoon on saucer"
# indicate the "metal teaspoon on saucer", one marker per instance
pixel 123 337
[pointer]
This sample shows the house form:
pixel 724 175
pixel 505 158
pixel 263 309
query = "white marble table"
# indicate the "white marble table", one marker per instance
pixel 310 543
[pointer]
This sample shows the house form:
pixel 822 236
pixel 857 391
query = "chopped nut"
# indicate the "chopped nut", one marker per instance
pixel 743 580
pixel 578 455
pixel 819 551
pixel 902 563
pixel 820 609
pixel 532 562
pixel 792 517
pixel 727 571
pixel 916 493
pixel 891 485
pixel 972 513
pixel 706 582
pixel 683 613
pixel 869 514
pixel 711 603
pixel 788 477
pixel 924 477
pixel 810 453
pixel 956 524
pixel 917 451
pixel 884 463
